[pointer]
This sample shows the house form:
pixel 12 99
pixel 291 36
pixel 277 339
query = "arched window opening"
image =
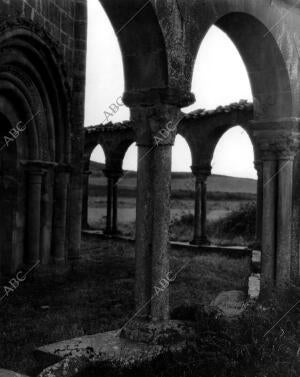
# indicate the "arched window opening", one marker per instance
pixel 232 188
pixel 220 76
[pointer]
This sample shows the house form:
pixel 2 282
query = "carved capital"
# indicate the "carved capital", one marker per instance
pixel 156 125
pixel 114 174
pixel 277 139
pixel 201 172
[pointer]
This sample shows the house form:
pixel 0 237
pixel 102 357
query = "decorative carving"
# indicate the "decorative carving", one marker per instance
pixel 15 23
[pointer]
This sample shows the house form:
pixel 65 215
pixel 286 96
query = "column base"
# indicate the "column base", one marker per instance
pixel 200 241
pixel 158 333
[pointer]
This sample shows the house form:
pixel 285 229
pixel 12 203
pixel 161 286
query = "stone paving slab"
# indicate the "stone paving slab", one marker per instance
pixel 78 353
pixel 10 373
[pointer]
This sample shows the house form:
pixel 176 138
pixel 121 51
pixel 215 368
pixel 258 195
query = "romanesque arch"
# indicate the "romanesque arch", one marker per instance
pixel 34 100
pixel 267 43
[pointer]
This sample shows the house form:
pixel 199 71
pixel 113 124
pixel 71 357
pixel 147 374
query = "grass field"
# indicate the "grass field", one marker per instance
pixel 97 296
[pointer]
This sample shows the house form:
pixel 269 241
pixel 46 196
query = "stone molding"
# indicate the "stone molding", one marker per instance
pixel 15 23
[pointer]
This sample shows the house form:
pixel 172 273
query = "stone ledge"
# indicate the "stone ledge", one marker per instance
pixel 75 355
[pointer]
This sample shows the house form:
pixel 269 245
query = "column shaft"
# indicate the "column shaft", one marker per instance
pixel 203 211
pixel 60 216
pixel 197 214
pixel 110 185
pixel 284 228
pixel 259 205
pixel 34 216
pixel 162 157
pixel 85 199
pixel 143 240
pixel 269 223
pixel 47 217
pixel 115 207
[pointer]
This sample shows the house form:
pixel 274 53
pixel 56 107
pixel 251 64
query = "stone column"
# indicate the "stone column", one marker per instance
pixel 200 217
pixel 35 173
pixel 117 176
pixel 74 214
pixel 62 173
pixel 156 130
pixel 47 215
pixel 259 203
pixel 284 221
pixel 278 142
pixel 109 198
pixel 85 198
pixel 268 223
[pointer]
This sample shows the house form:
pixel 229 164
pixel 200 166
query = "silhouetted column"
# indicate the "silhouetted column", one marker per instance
pixel 109 198
pixel 259 203
pixel 35 175
pixel 85 198
pixel 62 173
pixel 74 214
pixel 117 176
pixel 47 215
pixel 200 216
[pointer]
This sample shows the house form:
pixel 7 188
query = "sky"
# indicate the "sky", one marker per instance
pixel 219 78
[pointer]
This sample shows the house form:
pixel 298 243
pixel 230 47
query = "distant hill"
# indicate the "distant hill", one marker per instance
pixel 220 187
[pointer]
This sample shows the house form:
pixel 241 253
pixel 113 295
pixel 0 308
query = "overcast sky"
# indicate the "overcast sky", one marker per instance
pixel 219 78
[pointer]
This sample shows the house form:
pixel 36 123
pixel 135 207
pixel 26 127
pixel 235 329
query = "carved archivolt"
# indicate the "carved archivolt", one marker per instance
pixel 23 24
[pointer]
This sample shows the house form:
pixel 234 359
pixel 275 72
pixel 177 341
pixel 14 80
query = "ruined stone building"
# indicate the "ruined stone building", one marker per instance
pixel 44 152
pixel 42 80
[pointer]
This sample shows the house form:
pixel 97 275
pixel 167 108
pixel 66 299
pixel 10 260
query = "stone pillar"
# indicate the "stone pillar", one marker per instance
pixel 74 214
pixel 62 173
pixel 200 217
pixel 117 176
pixel 47 215
pixel 284 221
pixel 35 173
pixel 259 203
pixel 109 198
pixel 156 130
pixel 278 142
pixel 85 198
pixel 268 223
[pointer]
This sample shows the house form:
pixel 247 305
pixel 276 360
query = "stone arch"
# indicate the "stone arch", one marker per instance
pixel 144 58
pixel 30 61
pixel 268 67
pixel 34 99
